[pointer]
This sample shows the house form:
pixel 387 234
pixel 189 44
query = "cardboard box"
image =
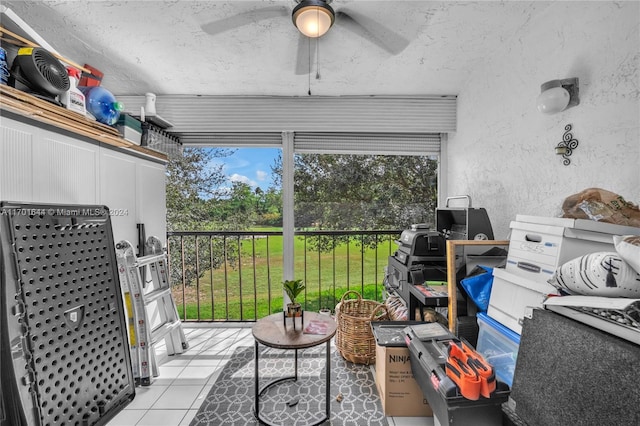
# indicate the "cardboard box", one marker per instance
pixel 400 394
pixel 538 245
pixel 512 296
pixel 94 78
pixel 581 224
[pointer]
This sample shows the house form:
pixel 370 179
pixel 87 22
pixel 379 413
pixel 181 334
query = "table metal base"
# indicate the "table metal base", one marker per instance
pixel 259 392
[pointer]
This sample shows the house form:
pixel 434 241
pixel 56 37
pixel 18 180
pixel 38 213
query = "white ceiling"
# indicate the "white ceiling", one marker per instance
pixel 170 47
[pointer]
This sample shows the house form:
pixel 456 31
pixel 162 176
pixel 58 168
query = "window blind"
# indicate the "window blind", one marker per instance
pixel 367 143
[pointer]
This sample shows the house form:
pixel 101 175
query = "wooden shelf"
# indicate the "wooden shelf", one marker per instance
pixel 155 120
pixel 22 103
pixel 452 285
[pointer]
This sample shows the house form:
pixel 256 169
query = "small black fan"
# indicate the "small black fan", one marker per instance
pixel 36 71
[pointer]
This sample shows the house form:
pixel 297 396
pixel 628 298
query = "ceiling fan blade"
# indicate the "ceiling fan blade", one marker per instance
pixel 372 30
pixel 305 53
pixel 244 18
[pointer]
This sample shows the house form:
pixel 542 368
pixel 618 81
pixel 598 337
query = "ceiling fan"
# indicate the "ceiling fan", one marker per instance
pixel 313 19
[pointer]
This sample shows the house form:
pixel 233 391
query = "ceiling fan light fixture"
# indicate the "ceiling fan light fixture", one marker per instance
pixel 313 18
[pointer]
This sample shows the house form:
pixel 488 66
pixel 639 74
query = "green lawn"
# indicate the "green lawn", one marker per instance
pixel 250 295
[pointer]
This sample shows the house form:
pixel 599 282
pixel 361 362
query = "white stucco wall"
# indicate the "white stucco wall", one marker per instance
pixel 503 152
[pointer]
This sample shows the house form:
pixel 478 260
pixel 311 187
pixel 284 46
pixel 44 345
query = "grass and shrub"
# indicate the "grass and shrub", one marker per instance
pixel 250 287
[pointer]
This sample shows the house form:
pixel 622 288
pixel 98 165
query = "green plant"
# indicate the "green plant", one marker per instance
pixel 293 288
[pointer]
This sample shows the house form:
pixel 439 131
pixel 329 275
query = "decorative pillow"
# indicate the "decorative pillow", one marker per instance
pixel 628 247
pixel 598 274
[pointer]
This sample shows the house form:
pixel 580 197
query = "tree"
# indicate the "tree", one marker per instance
pixel 347 192
pixel 259 200
pixel 342 192
pixel 271 212
pixel 191 180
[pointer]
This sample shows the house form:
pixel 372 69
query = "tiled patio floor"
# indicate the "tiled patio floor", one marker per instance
pixel 185 380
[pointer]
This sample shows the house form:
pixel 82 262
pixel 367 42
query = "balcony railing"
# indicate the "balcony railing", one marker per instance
pixel 237 276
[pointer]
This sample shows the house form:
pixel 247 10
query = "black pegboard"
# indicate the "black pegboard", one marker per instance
pixel 64 342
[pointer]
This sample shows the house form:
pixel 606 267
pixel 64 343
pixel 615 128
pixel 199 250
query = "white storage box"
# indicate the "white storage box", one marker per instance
pixel 130 128
pixel 499 347
pixel 512 296
pixel 538 245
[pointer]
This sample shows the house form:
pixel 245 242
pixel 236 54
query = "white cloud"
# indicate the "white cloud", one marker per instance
pixel 261 175
pixel 241 178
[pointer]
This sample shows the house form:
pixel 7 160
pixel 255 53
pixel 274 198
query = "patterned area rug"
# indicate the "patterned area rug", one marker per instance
pixel 291 403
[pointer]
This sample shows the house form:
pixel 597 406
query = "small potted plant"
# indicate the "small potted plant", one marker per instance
pixel 293 288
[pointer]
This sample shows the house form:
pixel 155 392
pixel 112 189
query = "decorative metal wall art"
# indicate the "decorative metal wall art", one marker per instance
pixel 567 145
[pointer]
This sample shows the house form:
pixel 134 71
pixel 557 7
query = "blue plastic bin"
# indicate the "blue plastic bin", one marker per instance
pixel 499 346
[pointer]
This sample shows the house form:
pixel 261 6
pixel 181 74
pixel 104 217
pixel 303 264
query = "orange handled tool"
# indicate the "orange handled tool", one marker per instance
pixel 482 368
pixel 462 374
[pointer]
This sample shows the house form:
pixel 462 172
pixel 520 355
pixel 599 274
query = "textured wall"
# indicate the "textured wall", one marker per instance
pixel 503 152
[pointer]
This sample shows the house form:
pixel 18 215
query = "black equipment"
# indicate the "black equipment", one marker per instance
pixel 428 352
pixel 63 331
pixel 463 223
pixel 36 71
pixel 422 256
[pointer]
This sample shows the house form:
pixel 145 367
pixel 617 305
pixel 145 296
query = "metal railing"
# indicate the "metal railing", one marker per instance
pixel 237 275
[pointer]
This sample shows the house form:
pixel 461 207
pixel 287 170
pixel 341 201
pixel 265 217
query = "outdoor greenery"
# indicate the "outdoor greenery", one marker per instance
pixel 252 287
pixel 199 196
pixel 293 288
pixel 332 192
pixel 359 192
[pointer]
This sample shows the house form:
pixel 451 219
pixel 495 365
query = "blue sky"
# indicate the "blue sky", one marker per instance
pixel 251 166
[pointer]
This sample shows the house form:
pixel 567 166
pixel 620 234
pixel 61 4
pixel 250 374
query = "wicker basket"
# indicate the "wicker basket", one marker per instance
pixel 354 337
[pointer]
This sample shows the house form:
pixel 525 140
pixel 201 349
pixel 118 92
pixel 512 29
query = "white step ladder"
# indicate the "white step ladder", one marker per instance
pixel 152 313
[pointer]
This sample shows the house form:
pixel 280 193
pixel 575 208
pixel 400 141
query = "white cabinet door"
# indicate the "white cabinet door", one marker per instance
pixel 152 199
pixel 44 166
pixel 134 190
pixel 16 160
pixel 118 193
pixel 38 165
pixel 65 170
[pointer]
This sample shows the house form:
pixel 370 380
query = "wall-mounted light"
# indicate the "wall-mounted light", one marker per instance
pixel 558 95
pixel 567 145
pixel 313 18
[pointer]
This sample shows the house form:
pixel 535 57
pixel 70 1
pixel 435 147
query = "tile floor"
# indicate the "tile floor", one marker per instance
pixel 185 380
